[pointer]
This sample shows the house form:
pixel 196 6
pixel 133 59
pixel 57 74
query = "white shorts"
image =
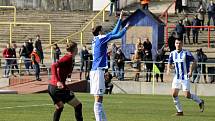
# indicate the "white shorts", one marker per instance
pixel 97 82
pixel 178 84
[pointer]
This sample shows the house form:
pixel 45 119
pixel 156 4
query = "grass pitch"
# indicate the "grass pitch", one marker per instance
pixel 118 107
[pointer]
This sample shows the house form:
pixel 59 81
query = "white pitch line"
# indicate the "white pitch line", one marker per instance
pixel 24 106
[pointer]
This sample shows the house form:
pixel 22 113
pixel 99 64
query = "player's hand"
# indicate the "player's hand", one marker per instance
pixel 60 85
pixel 127 25
pixel 121 14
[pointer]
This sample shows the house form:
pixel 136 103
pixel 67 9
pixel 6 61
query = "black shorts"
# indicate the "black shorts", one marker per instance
pixel 57 95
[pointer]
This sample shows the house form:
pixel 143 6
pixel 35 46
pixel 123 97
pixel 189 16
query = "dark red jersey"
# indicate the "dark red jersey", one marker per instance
pixel 61 69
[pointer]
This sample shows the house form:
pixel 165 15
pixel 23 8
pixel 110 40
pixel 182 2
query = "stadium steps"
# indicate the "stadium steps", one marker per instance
pixel 63 24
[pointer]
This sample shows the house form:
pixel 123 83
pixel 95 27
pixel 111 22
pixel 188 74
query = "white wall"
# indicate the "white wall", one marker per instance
pixel 100 4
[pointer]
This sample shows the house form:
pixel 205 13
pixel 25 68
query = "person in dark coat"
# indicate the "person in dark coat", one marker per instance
pixel 180 29
pixel 149 65
pixel 195 31
pixel 14 61
pixel 171 41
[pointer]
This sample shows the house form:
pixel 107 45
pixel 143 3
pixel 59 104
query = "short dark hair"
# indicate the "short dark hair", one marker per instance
pixel 70 47
pixel 96 30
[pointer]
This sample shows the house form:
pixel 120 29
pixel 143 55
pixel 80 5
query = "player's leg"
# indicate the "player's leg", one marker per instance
pixel 97 88
pixel 57 101
pixel 78 108
pixel 98 109
pixel 175 90
pixel 187 94
pixel 176 101
pixel 58 109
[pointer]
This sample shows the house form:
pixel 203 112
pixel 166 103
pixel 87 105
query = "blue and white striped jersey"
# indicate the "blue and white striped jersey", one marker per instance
pixel 99 46
pixel 181 61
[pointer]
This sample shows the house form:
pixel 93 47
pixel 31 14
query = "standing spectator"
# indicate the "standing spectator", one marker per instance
pixel 114 3
pixel 195 31
pixel 171 41
pixel 84 54
pixel 201 68
pixel 57 88
pixel 147 45
pixel 7 54
pixel 186 22
pixel 149 65
pixel 112 59
pixel 178 6
pixel 23 52
pixel 30 48
pixel 14 60
pixel 180 29
pixel 145 4
pixel 57 53
pixel 38 46
pixel 35 58
pixel 160 63
pixel 201 14
pixel 139 47
pixel 211 12
pixel 136 59
pixel 108 84
pixel 120 62
pixel 99 51
pixel 184 5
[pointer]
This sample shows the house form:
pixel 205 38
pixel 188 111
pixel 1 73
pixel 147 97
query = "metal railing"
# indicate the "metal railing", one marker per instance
pixel 128 71
pixel 208 27
pixel 81 32
pixel 14 12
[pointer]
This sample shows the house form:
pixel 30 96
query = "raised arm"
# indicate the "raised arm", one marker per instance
pixel 118 24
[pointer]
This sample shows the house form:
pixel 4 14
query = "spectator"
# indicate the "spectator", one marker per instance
pixel 57 53
pixel 201 14
pixel 35 58
pixel 201 68
pixel 211 12
pixel 23 52
pixel 195 22
pixel 178 6
pixel 30 48
pixel 147 45
pixel 171 41
pixel 139 48
pixel 7 54
pixel 136 65
pixel 120 62
pixel 114 3
pixel 108 84
pixel 112 58
pixel 186 22
pixel 184 5
pixel 145 4
pixel 160 63
pixel 149 65
pixel 84 61
pixel 14 61
pixel 38 46
pixel 180 29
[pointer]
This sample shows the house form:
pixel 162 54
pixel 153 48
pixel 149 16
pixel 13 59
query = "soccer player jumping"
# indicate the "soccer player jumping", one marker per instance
pixel 181 59
pixel 99 51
